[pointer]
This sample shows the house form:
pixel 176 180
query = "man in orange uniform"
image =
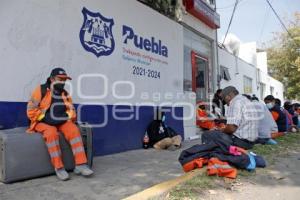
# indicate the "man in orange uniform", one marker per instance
pixel 50 110
pixel 204 121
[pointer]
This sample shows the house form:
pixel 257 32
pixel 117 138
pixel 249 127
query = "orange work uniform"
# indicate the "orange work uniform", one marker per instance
pixel 203 121
pixel 37 107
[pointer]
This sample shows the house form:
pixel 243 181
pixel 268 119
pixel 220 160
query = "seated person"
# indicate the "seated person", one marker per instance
pixel 161 136
pixel 205 120
pixel 242 121
pixel 50 109
pixel 293 115
pixel 289 120
pixel 297 115
pixel 218 107
pixel 277 113
pixel 267 125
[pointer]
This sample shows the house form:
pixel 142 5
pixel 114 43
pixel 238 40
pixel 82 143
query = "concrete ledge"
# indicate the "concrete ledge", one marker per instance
pixel 164 187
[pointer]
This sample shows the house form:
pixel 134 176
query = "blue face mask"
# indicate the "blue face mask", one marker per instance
pixel 270 105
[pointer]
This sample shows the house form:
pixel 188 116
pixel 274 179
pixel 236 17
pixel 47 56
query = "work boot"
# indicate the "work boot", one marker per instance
pixel 84 170
pixel 62 174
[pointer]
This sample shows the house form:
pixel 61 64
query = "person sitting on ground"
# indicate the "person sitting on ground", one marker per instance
pixel 218 107
pixel 161 136
pixel 292 110
pixel 278 115
pixel 296 118
pixel 242 121
pixel 50 110
pixel 267 125
pixel 205 120
pixel 289 118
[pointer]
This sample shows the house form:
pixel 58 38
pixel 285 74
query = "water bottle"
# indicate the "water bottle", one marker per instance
pixel 146 141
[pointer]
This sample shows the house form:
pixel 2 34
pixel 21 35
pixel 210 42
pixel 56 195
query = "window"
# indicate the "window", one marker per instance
pixel 247 85
pixel 262 88
pixel 225 73
pixel 211 3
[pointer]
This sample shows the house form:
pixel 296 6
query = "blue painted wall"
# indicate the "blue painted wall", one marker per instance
pixel 116 136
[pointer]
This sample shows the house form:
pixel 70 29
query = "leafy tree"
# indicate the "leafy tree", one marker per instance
pixel 166 7
pixel 284 58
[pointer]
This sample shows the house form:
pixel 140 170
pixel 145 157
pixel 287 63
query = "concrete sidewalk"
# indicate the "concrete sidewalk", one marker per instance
pixel 116 176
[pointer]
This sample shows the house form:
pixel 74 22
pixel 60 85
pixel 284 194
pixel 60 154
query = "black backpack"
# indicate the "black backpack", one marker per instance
pixel 157 131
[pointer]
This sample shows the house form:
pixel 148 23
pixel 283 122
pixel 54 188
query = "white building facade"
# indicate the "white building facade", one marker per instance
pixel 125 58
pixel 248 72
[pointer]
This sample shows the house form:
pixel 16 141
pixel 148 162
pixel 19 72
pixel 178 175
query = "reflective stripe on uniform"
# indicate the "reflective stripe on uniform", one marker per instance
pixel 35 104
pixel 30 107
pixel 55 154
pixel 52 144
pixel 78 150
pixel 75 140
pixel 217 166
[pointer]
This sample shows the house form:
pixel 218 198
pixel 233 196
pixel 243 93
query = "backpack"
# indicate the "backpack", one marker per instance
pixel 157 131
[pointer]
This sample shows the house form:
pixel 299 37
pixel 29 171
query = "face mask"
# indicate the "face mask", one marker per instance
pixel 59 87
pixel 163 118
pixel 270 105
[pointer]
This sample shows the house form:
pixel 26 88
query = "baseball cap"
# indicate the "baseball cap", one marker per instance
pixel 59 72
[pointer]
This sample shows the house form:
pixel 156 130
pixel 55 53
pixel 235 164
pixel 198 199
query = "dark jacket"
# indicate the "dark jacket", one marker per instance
pixel 157 130
pixel 281 121
pixel 217 102
pixel 218 148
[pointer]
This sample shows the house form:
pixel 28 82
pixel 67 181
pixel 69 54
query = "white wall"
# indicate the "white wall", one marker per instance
pixel 262 63
pixel 247 52
pixel 237 69
pixel 271 82
pixel 39 35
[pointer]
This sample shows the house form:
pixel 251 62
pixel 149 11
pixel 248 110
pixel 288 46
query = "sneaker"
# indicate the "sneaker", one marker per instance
pixel 62 174
pixel 271 142
pixel 84 170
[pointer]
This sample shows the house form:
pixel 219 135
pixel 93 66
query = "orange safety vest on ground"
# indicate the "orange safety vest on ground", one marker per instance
pixel 214 167
pixel 37 106
pixel 202 122
pixel 196 163
pixel 220 168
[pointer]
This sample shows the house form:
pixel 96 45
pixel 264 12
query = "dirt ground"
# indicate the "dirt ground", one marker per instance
pixel 280 181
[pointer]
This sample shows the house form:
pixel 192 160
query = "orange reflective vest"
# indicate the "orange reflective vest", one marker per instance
pixel 220 168
pixel 196 163
pixel 203 121
pixel 214 167
pixel 38 106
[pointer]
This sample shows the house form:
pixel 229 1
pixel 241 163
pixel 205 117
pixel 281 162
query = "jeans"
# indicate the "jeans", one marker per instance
pixel 218 136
